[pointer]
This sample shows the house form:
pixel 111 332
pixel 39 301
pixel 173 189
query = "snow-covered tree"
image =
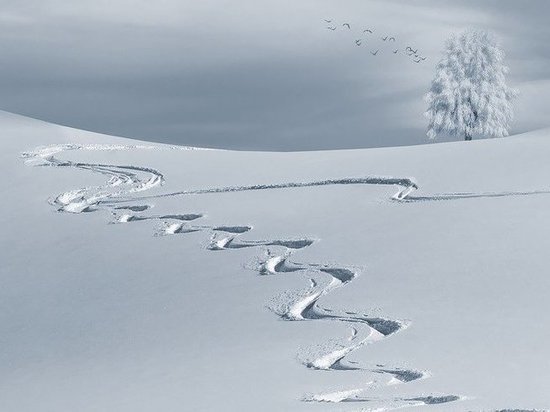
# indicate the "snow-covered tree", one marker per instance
pixel 469 95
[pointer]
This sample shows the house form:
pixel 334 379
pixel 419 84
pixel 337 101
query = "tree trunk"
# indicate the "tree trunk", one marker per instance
pixel 467 136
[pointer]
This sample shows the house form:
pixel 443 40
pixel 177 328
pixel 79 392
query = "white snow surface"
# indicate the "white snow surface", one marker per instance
pixel 146 277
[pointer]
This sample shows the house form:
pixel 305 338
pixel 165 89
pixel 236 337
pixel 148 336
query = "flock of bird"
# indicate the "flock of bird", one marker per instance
pixel 409 51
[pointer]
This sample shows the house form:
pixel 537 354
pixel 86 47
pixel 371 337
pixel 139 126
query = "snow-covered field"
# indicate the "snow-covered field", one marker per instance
pixel 143 277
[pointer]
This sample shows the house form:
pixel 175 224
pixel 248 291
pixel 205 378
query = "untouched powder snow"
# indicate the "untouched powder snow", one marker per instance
pixel 140 277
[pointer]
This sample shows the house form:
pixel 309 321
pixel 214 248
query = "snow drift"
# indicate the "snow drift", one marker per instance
pixel 431 297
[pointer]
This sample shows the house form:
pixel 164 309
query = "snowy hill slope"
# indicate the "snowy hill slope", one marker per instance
pixel 165 278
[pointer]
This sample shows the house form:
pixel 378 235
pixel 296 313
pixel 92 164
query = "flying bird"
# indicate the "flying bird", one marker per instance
pixel 422 58
pixel 347 24
pixel 367 31
pixel 395 51
pixel 391 39
pixel 417 60
pixel 374 53
pixel 328 21
pixel 331 28
pixel 358 42
pixel 384 38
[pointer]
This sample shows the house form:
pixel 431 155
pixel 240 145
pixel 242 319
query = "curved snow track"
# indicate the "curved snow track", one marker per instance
pixel 115 196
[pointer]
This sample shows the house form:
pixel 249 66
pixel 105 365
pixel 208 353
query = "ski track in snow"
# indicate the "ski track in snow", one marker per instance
pixel 125 180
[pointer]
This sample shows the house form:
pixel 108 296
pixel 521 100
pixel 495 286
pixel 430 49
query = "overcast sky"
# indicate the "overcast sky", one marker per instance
pixel 254 74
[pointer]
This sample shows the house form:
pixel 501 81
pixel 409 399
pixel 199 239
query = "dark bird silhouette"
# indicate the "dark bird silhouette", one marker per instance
pixel 374 53
pixel 328 21
pixel 417 60
pixel 347 24
pixel 384 38
pixel 391 39
pixel 367 31
pixel 331 28
pixel 358 42
pixel 422 58
pixel 395 51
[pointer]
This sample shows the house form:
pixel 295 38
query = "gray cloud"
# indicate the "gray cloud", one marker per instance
pixel 251 75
